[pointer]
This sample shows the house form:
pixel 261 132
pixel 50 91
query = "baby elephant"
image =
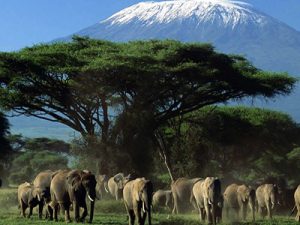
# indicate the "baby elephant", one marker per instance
pixel 27 197
pixel 163 198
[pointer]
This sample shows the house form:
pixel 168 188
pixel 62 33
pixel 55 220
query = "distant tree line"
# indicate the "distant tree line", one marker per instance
pixel 151 104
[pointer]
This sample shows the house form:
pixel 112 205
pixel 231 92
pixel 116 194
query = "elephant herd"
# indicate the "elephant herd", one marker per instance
pixel 65 189
pixel 205 196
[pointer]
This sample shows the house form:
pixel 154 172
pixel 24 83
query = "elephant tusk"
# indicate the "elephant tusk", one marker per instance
pixel 106 189
pixel 90 198
pixel 273 205
pixel 209 202
pixel 144 210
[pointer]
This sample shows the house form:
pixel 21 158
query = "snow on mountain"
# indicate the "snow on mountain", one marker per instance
pixel 228 13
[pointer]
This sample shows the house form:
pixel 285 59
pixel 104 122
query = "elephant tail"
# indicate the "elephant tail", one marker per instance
pixel 293 210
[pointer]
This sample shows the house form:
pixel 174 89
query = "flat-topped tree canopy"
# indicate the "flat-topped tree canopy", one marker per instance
pixel 76 83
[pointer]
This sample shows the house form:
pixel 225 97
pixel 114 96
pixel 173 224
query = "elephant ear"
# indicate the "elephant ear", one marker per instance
pixel 35 194
pixel 74 181
pixel 118 178
pixel 241 194
pixel 137 188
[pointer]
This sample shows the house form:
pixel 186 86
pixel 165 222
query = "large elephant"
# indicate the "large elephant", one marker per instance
pixel 137 196
pixel 209 199
pixel 239 198
pixel 102 185
pixel 297 203
pixel 27 197
pixel 267 199
pixel 116 185
pixel 182 191
pixel 72 187
pixel 163 198
pixel 42 184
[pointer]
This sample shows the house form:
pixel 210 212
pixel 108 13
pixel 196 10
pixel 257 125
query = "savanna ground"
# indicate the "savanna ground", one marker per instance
pixel 108 212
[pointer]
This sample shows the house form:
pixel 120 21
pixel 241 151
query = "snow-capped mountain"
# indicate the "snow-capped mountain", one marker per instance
pixel 231 26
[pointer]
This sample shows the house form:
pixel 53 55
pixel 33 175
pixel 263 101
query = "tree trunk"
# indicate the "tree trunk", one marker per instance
pixel 162 148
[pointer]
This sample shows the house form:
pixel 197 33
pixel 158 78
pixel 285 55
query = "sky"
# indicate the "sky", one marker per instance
pixel 27 22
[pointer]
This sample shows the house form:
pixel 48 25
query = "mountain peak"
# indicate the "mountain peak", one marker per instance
pixel 224 12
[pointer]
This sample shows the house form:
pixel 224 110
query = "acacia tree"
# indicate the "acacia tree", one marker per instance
pixel 5 148
pixel 144 84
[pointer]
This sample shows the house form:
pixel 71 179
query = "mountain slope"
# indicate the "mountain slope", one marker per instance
pixel 231 26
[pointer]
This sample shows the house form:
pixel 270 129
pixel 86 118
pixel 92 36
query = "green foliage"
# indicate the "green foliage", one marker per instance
pixel 51 145
pixel 28 164
pixel 5 148
pixel 235 143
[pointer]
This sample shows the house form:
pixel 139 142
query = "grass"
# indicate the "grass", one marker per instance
pixel 110 212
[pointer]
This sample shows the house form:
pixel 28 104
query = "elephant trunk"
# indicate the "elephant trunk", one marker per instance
pixel 149 216
pixel 147 201
pixel 92 211
pixel 213 214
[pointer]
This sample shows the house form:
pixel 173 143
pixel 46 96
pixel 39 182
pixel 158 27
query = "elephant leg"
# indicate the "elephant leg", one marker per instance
pixel 244 211
pixel 131 217
pixel 49 212
pixel 84 214
pixel 56 212
pixel 227 211
pixel 117 194
pixel 237 213
pixel 260 211
pixel 23 209
pixel 207 211
pixel 199 210
pixel 76 212
pixel 143 218
pixel 41 206
pixel 203 214
pixel 137 212
pixel 175 208
pixel 66 209
pixel 30 211
pixel 298 216
pixel 269 211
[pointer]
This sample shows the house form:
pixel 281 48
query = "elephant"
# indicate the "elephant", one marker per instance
pixel 116 185
pixel 209 200
pixel 239 198
pixel 163 198
pixel 72 187
pixel 28 196
pixel 42 184
pixel 297 203
pixel 182 191
pixel 267 199
pixel 137 196
pixel 102 185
